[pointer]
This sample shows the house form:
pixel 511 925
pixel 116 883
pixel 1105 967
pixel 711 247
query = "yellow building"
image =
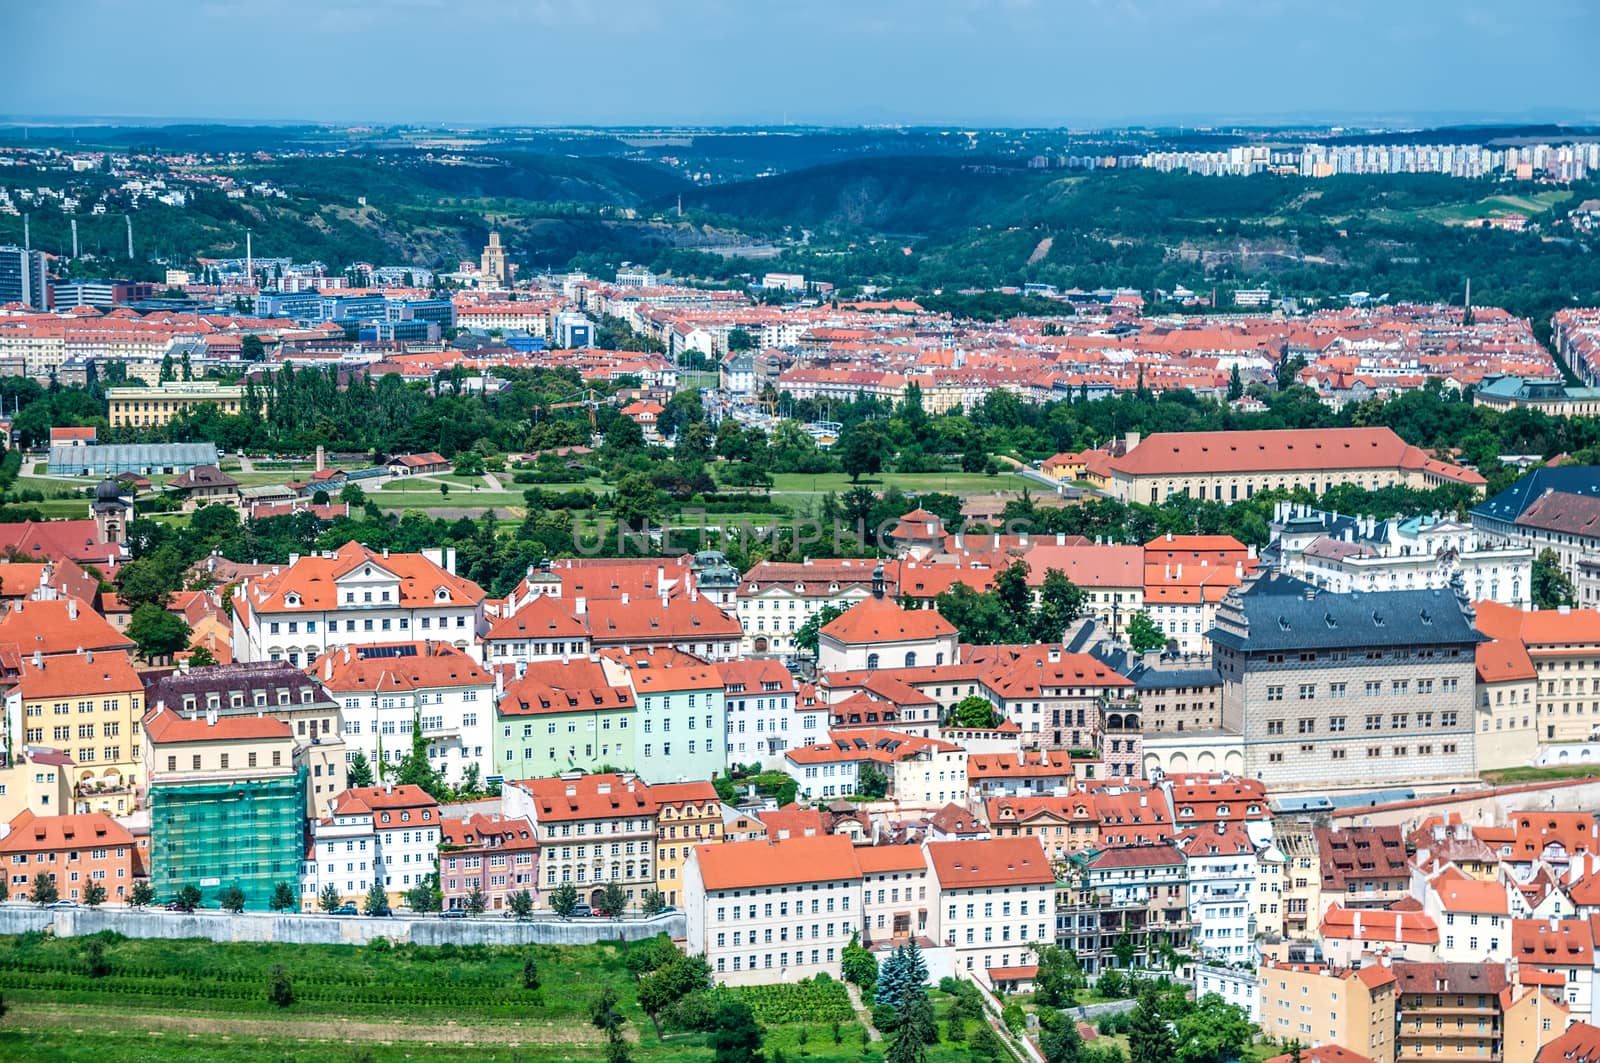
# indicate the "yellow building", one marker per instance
pixel 1302 880
pixel 88 705
pixel 1319 1005
pixel 152 407
pixel 37 779
pixel 690 814
pixel 1531 1017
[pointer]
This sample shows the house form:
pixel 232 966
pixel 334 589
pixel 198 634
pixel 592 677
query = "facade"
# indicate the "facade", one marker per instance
pixel 405 832
pixel 227 804
pixel 593 830
pixel 879 633
pixel 37 779
pixel 152 407
pixel 776 598
pixel 88 705
pixel 1317 1004
pixel 1538 667
pixel 1341 690
pixel 1450 1010
pixel 682 720
pixel 354 597
pixel 772 911
pixel 1363 867
pixel 386 690
pixel 996 899
pixel 277 689
pixel 689 815
pixel 895 902
pixel 205 485
pixel 759 696
pixel 342 853
pixel 495 856
pixel 1223 873
pixel 563 716
pixel 80 850
pixel 1140 890
pixel 24 278
pixel 1229 466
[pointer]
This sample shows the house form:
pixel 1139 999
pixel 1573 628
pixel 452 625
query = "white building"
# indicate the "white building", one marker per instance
pixel 1342 553
pixel 593 830
pixel 405 832
pixel 1239 986
pixel 341 852
pixel 772 911
pixel 777 597
pixel 996 900
pixel 1222 885
pixel 385 690
pixel 759 700
pixel 879 633
pixel 354 597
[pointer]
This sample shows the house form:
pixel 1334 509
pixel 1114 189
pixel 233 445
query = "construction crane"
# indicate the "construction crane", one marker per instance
pixel 587 398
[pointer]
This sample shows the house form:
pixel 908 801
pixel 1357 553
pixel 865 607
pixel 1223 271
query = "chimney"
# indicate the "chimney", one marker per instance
pixel 211 716
pixel 624 597
pixel 580 605
pixel 72 608
pixel 38 659
pixel 661 576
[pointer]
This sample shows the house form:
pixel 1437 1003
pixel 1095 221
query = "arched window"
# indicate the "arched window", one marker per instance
pixel 872 662
pixel 911 659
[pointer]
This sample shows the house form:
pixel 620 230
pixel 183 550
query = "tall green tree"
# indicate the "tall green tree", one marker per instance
pixel 1144 634
pixel 1150 1039
pixel 360 770
pixel 1551 588
pixel 735 1035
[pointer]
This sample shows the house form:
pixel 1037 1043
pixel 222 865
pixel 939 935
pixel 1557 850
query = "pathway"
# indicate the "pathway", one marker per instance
pixel 863 1014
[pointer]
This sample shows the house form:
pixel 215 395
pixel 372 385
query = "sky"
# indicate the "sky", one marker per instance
pixel 1071 63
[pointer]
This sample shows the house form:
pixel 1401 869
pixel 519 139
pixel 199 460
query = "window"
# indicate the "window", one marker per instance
pixel 1274 693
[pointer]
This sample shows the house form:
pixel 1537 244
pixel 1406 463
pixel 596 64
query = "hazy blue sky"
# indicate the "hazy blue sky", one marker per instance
pixel 1052 62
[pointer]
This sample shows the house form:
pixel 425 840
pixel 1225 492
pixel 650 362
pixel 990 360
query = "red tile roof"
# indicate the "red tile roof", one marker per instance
pixel 607 796
pixel 787 862
pixel 167 725
pixel 57 627
pixel 425 665
pixel 990 862
pixel 87 830
pixel 883 620
pixel 78 675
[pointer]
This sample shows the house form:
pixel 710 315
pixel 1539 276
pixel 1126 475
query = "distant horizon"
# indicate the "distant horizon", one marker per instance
pixel 1007 64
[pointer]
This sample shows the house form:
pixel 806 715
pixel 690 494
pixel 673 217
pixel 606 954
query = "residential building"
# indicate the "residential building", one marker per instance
pixel 1185 576
pixel 683 723
pixel 772 911
pixel 777 597
pixel 152 407
pixel 1579 1044
pixel 1229 466
pixel 278 689
pixel 1064 700
pixel 89 848
pixel 1450 1010
pixel 37 779
pixel 1125 897
pixel 688 814
pixel 24 278
pixel 88 705
pixel 58 627
pixel 1363 867
pixel 387 689
pixel 1064 825
pixel 1302 878
pixel 895 904
pixel 342 853
pixel 1507 715
pixel 1348 934
pixel 996 899
pixel 1318 1004
pixel 1323 693
pixel 204 485
pixel 593 830
pixel 1563 948
pixel 759 696
pixel 227 804
pixel 405 831
pixel 491 855
pixel 563 716
pixel 354 597
pixel 1560 647
pixel 1222 876
pixel 1474 918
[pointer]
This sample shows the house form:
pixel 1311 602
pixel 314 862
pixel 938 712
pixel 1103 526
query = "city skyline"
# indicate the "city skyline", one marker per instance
pixel 1028 64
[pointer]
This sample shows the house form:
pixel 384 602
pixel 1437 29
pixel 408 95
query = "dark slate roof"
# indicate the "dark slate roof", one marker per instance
pixel 229 679
pixel 1560 511
pixel 1281 616
pixel 1511 503
pixel 1154 677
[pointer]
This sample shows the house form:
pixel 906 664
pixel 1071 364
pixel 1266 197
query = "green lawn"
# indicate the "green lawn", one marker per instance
pixel 1550 774
pixel 955 483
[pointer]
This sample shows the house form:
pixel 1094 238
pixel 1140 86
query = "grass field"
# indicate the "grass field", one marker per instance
pixel 955 483
pixel 158 1000
pixel 1550 774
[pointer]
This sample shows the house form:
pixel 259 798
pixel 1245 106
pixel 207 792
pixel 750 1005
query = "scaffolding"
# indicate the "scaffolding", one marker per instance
pixel 213 835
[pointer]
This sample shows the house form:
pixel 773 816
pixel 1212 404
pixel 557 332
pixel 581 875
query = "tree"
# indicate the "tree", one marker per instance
pixel 808 635
pixel 530 974
pixel 5 889
pixel 471 780
pixel 1551 587
pixel 94 959
pixel 1059 976
pixel 188 897
pixel 1060 1041
pixel 603 1012
pixel 858 965
pixel 422 897
pixel 1123 950
pixel 141 894
pixel 476 902
pixel 353 495
pixel 974 711
pixel 521 903
pixel 1213 1031
pixel 280 991
pixel 563 899
pixel 906 1047
pixel 735 1034
pixel 653 902
pixel 740 340
pixel 329 898
pixel 871 781
pixel 94 895
pixel 415 769
pixel 1149 1038
pixel 1144 634
pixel 376 902
pixel 157 632
pixel 251 349
pixel 1060 603
pixel 1235 384
pixel 985 1043
pixel 202 657
pixel 360 771
pixel 44 889
pixel 232 899
pixel 283 898
pixel 664 987
pixel 863 450
pixel 613 900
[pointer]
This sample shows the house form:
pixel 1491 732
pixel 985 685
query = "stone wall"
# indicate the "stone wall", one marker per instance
pixel 329 929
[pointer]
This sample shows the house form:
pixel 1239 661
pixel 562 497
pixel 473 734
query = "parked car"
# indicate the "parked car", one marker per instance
pixel 346 909
pixel 453 913
pixel 62 904
pixel 377 913
pixel 666 909
pixel 581 911
pixel 179 906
